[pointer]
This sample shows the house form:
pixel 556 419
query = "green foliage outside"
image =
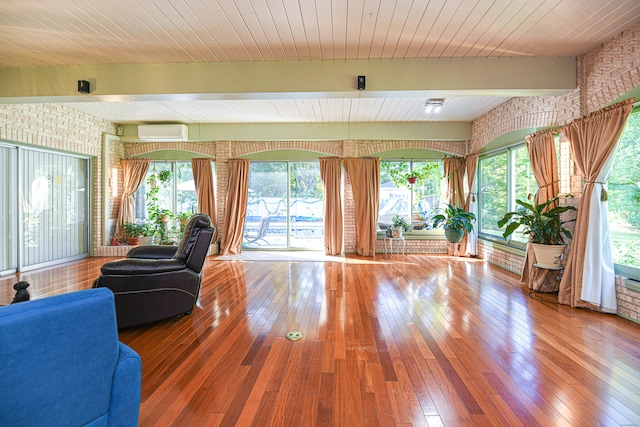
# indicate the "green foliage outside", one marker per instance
pixel 266 180
pixel 493 192
pixel 624 196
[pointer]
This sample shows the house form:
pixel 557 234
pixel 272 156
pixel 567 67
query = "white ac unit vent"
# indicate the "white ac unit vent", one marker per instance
pixel 163 132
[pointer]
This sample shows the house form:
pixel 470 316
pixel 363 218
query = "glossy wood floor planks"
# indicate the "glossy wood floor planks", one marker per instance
pixel 390 340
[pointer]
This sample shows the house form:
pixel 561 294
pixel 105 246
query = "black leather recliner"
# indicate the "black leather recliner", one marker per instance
pixel 158 282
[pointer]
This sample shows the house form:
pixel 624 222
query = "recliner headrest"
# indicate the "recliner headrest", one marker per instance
pixel 196 223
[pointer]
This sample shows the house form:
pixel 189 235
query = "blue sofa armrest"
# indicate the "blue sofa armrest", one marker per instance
pixel 125 392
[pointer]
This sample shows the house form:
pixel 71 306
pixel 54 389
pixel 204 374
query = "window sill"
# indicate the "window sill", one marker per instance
pixel 504 247
pixel 424 235
pixel 631 284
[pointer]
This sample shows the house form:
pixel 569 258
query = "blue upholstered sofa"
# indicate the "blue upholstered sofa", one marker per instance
pixel 61 363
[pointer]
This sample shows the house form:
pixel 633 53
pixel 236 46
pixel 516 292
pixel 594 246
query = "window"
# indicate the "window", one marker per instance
pixel 9 206
pixel 177 195
pixel 624 200
pixel 55 195
pixel 503 177
pixel 416 201
pixel 285 206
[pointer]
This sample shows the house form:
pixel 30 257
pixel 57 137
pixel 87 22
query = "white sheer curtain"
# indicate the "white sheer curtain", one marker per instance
pixel 600 288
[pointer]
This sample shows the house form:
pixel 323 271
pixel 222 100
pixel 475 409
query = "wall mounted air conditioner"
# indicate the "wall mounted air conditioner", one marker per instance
pixel 163 132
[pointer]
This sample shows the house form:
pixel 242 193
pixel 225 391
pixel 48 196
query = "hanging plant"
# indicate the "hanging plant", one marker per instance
pixel 401 176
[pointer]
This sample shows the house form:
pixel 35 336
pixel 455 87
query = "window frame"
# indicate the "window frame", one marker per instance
pixel 510 153
pixel 173 188
pixel 431 234
pixel 624 270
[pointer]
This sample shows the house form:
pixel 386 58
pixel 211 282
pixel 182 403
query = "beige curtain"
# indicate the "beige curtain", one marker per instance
pixel 236 206
pixel 364 175
pixel 469 244
pixel 454 169
pixel 330 172
pixel 544 164
pixel 589 280
pixel 203 178
pixel 133 173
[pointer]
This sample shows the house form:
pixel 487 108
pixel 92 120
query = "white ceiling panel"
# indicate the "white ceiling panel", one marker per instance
pixel 81 32
pixel 288 110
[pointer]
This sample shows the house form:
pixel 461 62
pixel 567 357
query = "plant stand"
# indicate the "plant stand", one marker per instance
pixel 547 286
pixel 454 249
pixel 390 241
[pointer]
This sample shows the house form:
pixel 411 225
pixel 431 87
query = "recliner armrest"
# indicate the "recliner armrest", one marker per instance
pixel 134 266
pixel 153 251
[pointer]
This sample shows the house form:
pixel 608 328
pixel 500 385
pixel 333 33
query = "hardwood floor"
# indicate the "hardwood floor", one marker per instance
pixel 391 340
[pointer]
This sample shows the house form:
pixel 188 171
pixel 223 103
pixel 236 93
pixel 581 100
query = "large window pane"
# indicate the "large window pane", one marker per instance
pixel 493 193
pixel 55 196
pixel 415 202
pixel 285 208
pixel 525 185
pixel 395 195
pixel 178 195
pixel 305 205
pixel 8 207
pixel 624 197
pixel 427 194
pixel 266 224
pixel 187 201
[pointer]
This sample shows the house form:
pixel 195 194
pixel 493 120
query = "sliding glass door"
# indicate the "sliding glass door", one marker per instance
pixel 54 197
pixel 8 207
pixel 285 208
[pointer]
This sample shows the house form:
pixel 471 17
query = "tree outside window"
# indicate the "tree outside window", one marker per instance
pixel 624 197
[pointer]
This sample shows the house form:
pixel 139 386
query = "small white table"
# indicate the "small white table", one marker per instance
pixel 389 241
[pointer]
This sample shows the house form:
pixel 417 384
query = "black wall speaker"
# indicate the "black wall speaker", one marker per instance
pixel 84 86
pixel 361 80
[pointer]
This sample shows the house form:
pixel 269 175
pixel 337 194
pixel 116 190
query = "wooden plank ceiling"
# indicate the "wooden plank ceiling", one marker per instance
pixel 77 32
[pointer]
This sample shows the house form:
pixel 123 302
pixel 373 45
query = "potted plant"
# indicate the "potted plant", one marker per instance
pixel 455 221
pixel 400 224
pixel 544 226
pixel 147 232
pixel 134 231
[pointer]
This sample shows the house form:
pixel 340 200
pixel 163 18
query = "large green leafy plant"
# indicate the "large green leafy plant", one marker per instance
pixel 541 222
pixel 454 218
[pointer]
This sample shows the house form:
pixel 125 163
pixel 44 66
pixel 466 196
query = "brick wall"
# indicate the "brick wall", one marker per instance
pixel 604 74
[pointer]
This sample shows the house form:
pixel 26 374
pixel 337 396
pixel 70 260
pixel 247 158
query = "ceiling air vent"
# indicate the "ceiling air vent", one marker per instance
pixel 163 132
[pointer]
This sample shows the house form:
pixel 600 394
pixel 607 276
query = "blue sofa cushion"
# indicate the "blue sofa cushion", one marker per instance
pixel 58 358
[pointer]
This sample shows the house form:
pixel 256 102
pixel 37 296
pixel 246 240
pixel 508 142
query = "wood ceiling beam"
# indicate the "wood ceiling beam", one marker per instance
pixel 281 80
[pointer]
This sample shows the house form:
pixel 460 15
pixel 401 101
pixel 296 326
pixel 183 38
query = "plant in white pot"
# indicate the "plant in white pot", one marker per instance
pixel 544 226
pixel 400 224
pixel 455 221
